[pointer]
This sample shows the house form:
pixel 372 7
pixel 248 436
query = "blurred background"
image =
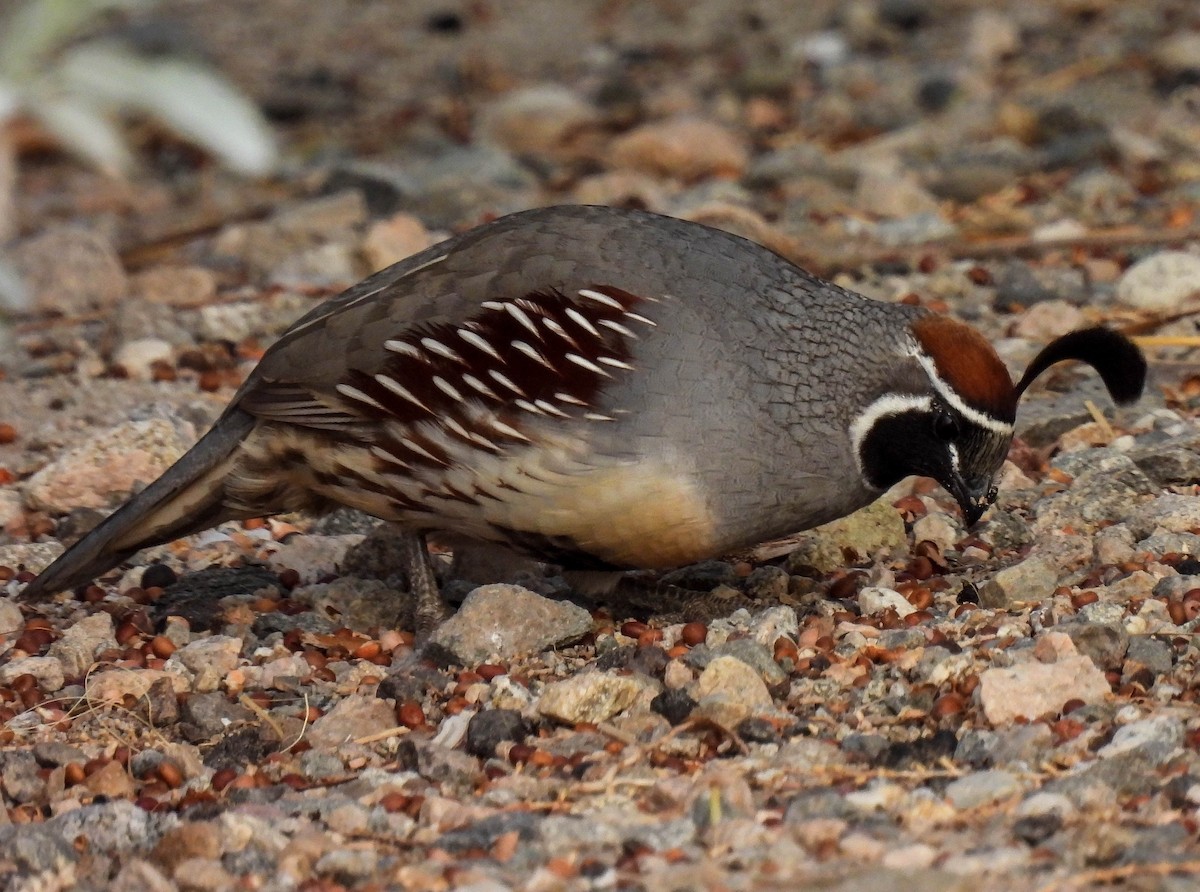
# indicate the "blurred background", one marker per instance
pixel 181 180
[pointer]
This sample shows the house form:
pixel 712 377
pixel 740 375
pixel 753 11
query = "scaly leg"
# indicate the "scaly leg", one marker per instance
pixel 429 610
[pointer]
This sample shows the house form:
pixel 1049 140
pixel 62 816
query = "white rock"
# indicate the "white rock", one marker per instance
pixel 873 600
pixel 1161 281
pixel 138 357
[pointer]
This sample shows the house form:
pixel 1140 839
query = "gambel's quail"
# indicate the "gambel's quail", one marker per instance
pixel 602 389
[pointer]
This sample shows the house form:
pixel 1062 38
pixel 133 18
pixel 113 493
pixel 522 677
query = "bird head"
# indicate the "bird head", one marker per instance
pixel 949 411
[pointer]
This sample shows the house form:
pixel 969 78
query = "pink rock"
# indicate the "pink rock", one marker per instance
pixel 107 467
pixel 1041 686
pixel 686 148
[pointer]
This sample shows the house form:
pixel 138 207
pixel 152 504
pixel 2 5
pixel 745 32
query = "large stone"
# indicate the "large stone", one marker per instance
pixel 107 467
pixel 598 696
pixel 77 648
pixel 877 527
pixel 71 270
pixel 507 621
pixel 1161 282
pixel 686 148
pixel 1035 688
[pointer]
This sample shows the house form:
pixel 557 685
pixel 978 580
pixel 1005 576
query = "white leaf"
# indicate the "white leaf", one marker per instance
pixel 34 30
pixel 84 129
pixel 191 99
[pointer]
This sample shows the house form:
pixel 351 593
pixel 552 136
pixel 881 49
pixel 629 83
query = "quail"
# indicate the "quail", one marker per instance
pixel 602 389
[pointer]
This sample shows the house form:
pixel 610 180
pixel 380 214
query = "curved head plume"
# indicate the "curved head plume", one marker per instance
pixel 1115 358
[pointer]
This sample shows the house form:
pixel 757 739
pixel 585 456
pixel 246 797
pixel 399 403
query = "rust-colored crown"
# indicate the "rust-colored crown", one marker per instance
pixel 968 365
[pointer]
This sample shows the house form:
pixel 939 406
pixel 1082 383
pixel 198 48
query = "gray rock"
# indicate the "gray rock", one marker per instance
pixel 1104 644
pixel 210 659
pixel 1168 464
pixel 19 776
pixel 1151 653
pixel 1033 579
pixel 114 827
pixel 1104 613
pixel 1158 736
pixel 1169 512
pixel 490 727
pixel 1127 774
pixel 767 583
pixel 77 648
pixel 35 849
pixel 817 803
pixel 982 788
pixel 463 181
pixel 52 753
pixel 483 834
pixel 508 621
pixel 1161 281
pixel 1004 530
pixel 359 604
pixel 352 717
pixel 1107 488
pixel 212 713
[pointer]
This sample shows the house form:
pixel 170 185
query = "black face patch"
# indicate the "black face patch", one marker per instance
pixel 938 443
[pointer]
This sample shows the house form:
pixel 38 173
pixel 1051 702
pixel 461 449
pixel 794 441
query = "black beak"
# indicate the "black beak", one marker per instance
pixel 973 498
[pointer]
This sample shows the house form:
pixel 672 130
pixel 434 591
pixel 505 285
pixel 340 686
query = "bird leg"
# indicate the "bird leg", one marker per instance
pixel 429 610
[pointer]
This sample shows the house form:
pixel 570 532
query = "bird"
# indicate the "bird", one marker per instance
pixel 604 389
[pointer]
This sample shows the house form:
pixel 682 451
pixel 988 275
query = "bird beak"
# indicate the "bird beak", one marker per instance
pixel 974 498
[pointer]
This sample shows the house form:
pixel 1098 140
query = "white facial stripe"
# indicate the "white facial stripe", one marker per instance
pixel 956 402
pixel 888 404
pixel 955 465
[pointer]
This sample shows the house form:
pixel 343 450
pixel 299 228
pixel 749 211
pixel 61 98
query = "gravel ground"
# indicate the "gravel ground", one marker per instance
pixel 914 704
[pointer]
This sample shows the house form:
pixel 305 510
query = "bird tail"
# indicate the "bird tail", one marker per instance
pixel 187 498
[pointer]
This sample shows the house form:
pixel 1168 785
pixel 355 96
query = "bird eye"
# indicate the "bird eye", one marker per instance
pixel 945 427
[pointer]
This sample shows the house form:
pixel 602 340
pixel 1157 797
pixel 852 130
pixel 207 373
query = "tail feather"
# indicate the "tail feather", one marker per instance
pixel 187 498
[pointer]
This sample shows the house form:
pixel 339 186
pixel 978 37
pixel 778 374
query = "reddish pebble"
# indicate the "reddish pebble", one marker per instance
pixel 634 629
pixel 289 578
pixel 170 773
pixel 162 646
pixel 519 753
pixel 369 650
pixel 395 801
pixel 488 671
pixel 223 778
pixel 693 633
pixel 410 714
pixel 947 705
pixel 1082 599
pixel 8 434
